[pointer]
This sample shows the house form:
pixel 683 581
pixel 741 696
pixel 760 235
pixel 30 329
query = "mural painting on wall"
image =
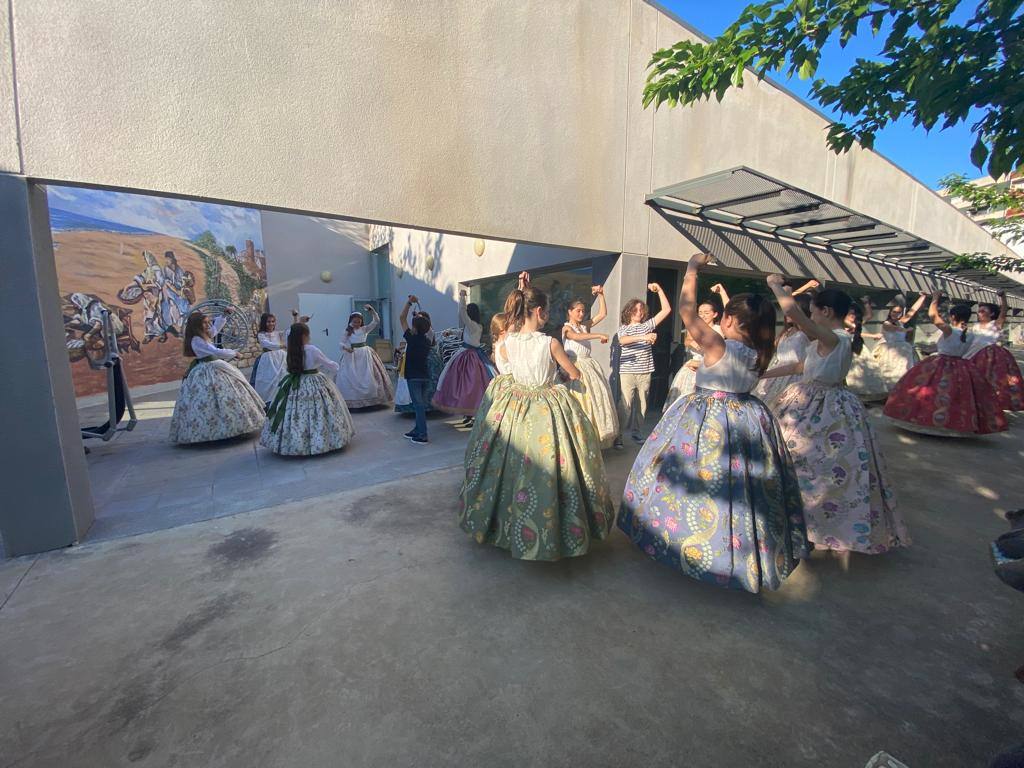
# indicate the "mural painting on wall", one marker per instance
pixel 149 260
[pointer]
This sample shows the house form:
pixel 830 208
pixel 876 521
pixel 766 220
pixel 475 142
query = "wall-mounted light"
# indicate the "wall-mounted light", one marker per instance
pixel 326 276
pixel 478 247
pixel 430 263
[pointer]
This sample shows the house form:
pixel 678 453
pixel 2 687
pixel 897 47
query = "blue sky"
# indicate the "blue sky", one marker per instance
pixel 231 225
pixel 926 155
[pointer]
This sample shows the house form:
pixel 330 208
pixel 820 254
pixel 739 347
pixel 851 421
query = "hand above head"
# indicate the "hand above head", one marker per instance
pixel 1001 293
pixel 654 288
pixel 304 318
pixel 597 290
pixel 700 259
pixel 413 299
pixel 936 295
pixel 295 313
pixel 717 288
pixel 775 281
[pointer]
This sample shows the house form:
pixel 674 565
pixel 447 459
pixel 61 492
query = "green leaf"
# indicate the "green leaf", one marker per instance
pixel 979 152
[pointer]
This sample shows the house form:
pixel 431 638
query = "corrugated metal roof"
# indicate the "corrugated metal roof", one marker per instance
pixel 774 210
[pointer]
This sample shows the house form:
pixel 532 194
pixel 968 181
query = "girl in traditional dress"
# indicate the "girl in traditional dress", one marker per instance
pixel 308 415
pixel 895 355
pixel 945 394
pixel 215 401
pixel 865 377
pixel 849 504
pixel 403 400
pixel 272 365
pixel 685 380
pixel 592 389
pixel 996 363
pixel 535 480
pixel 499 325
pixel 467 374
pixel 790 347
pixel 362 378
pixel 713 492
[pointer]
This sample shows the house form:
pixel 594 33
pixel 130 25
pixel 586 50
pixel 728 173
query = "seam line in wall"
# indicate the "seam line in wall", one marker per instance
pixel 654 128
pixel 625 142
pixel 14 89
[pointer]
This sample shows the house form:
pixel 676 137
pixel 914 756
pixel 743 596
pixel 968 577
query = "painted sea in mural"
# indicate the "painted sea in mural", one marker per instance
pixel 148 260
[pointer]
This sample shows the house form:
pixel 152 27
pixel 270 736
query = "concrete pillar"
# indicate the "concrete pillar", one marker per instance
pixel 624 277
pixel 47 501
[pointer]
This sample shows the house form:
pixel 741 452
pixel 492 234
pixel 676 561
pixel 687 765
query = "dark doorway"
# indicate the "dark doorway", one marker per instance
pixel 667 278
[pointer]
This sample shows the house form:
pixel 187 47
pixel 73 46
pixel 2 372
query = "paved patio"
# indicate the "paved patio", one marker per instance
pixel 141 482
pixel 360 627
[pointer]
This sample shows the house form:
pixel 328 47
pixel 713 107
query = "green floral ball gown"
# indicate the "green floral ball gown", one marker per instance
pixel 535 479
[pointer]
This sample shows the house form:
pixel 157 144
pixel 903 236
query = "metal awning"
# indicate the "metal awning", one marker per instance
pixel 771 210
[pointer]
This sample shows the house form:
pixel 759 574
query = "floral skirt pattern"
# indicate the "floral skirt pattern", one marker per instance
pixel 683 383
pixel 1000 369
pixel 362 379
pixel 463 381
pixel 595 396
pixel 215 402
pixel 894 360
pixel 713 493
pixel 865 378
pixel 535 480
pixel 848 502
pixel 945 395
pixel 403 402
pixel 316 420
pixel 768 391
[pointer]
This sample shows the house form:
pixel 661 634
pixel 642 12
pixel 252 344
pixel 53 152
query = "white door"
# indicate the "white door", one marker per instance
pixel 328 316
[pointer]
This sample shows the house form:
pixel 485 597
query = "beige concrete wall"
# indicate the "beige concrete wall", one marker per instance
pixel 499 118
pixel 510 120
pixel 299 248
pixel 9 160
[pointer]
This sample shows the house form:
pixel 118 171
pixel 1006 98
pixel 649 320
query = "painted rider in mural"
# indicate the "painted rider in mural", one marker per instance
pixel 151 281
pixel 175 304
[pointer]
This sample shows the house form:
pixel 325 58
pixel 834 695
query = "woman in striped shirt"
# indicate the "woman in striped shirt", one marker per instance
pixel 636 362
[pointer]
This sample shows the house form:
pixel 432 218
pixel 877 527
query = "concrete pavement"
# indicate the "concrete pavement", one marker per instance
pixel 364 629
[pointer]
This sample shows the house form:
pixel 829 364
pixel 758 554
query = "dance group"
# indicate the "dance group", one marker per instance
pixel 768 454
pixel 763 450
pixel 299 398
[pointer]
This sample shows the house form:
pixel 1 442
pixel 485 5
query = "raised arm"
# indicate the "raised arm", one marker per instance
pixel 464 319
pixel 908 316
pixel 825 336
pixel 712 345
pixel 665 308
pixel 375 322
pixel 218 323
pixel 558 353
pixel 810 285
pixel 722 293
pixel 404 319
pixel 602 307
pixel 1004 308
pixel 935 317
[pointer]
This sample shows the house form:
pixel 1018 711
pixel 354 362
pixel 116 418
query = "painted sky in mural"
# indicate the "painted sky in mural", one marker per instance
pixel 148 260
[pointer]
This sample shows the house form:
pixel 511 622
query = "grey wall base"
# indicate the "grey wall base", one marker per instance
pixel 47 501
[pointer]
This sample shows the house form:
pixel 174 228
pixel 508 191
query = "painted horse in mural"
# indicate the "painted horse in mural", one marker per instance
pixel 83 328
